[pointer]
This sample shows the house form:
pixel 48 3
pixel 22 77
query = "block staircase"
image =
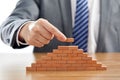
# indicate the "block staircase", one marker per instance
pixel 66 58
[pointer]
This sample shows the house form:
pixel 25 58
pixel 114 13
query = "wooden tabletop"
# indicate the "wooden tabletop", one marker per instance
pixel 13 67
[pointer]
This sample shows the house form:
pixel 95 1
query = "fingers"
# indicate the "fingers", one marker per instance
pixel 37 43
pixel 41 32
pixel 37 40
pixel 42 40
pixel 52 29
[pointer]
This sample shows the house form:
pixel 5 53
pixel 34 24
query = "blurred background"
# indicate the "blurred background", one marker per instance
pixel 6 7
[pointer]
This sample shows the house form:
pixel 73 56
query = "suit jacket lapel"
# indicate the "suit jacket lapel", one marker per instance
pixel 65 6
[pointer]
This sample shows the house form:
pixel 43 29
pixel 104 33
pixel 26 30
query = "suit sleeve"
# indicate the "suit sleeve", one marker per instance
pixel 26 10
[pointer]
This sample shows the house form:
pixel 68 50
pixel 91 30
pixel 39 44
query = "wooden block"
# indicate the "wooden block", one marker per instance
pixel 56 62
pixel 81 62
pixel 101 68
pixel 61 69
pixel 67 65
pixel 87 58
pixel 46 65
pixel 51 55
pixel 72 55
pixel 71 69
pixel 96 65
pixel 62 55
pixel 79 51
pixel 50 69
pixel 86 65
pixel 84 55
pixel 34 65
pixel 91 68
pixel 56 51
pixel 41 69
pixel 30 69
pixel 75 58
pixel 61 62
pixel 67 51
pixel 50 62
pixel 47 58
pixel 104 67
pixel 38 65
pixel 77 65
pixel 69 40
pixel 73 47
pixel 57 58
pixel 71 62
pixel 63 47
pixel 68 47
pixel 81 68
pixel 41 61
pixel 57 65
pixel 91 62
pixel 64 58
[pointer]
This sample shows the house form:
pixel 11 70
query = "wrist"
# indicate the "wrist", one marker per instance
pixel 23 32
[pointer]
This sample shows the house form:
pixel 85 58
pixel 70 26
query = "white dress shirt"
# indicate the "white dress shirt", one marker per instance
pixel 94 17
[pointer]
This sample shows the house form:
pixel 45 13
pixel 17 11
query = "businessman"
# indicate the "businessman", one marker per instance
pixel 45 24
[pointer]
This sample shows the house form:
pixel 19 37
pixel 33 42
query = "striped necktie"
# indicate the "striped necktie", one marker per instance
pixel 80 31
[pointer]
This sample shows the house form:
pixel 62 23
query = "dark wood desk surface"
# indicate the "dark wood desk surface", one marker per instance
pixel 13 67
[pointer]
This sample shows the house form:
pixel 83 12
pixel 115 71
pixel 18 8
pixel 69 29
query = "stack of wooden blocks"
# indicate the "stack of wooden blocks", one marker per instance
pixel 66 58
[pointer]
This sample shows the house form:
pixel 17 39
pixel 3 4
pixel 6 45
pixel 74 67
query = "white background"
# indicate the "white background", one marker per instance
pixel 6 7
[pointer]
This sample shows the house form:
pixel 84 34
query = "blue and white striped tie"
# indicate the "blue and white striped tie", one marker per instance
pixel 80 31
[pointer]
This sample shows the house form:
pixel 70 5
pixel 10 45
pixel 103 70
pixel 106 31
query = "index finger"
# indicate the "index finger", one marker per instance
pixel 52 29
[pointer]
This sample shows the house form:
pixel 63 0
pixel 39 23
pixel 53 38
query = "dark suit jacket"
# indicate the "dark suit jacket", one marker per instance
pixel 58 12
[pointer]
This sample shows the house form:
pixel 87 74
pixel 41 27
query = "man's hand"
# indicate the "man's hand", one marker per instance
pixel 39 33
